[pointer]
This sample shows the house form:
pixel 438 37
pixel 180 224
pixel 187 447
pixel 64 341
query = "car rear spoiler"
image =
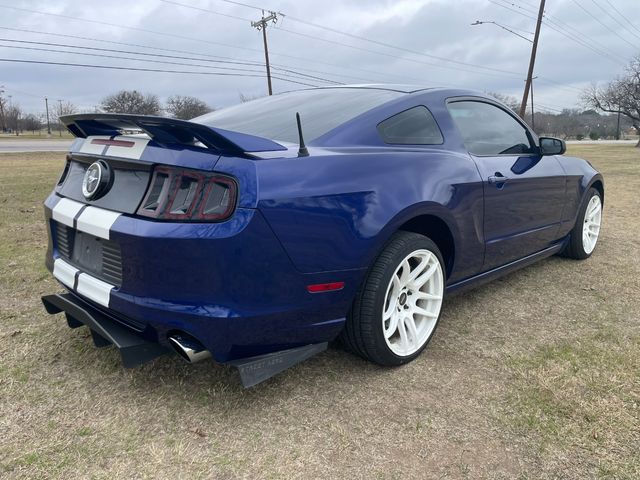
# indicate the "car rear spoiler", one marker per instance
pixel 167 131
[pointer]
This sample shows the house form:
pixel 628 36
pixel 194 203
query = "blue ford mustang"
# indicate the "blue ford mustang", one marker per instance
pixel 258 233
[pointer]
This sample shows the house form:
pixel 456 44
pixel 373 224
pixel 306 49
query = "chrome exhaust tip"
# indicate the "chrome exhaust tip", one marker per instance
pixel 189 348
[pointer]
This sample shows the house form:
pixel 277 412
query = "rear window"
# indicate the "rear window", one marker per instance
pixel 320 110
pixel 415 126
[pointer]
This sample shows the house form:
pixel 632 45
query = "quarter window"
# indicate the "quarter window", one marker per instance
pixel 415 126
pixel 489 130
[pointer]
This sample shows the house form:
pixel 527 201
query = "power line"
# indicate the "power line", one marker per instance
pixel 358 37
pixel 624 17
pixel 555 26
pixel 287 71
pixel 119 57
pixel 303 59
pixel 155 70
pixel 126 27
pixel 244 48
pixel 289 17
pixel 615 19
pixel 216 58
pixel 603 24
pixel 98 22
pixel 137 45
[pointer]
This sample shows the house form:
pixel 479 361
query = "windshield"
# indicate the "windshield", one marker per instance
pixel 320 110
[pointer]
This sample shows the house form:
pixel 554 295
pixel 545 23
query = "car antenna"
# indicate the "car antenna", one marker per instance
pixel 302 151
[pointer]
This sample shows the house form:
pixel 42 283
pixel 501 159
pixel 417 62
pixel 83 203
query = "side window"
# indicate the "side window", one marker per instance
pixel 489 130
pixel 415 126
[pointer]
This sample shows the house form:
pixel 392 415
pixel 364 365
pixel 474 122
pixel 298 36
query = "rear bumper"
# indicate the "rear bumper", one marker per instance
pixel 135 350
pixel 230 285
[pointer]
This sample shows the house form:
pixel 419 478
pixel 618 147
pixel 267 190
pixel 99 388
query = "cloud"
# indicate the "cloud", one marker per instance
pixel 423 29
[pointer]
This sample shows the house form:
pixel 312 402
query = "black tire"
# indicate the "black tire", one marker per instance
pixel 575 248
pixel 363 333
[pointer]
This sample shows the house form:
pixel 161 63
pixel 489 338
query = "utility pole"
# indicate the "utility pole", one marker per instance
pixel 262 25
pixel 618 127
pixel 60 110
pixel 2 127
pixel 533 120
pixel 46 104
pixel 532 61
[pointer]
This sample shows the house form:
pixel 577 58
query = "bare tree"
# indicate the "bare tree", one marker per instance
pixel 621 95
pixel 63 107
pixel 247 98
pixel 31 122
pixel 185 107
pixel 131 101
pixel 12 116
pixel 508 100
pixel 3 112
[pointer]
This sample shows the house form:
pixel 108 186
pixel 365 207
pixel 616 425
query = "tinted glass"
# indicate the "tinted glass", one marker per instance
pixel 415 126
pixel 489 130
pixel 320 110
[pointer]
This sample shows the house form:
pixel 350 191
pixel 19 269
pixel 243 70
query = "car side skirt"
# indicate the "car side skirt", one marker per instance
pixel 485 277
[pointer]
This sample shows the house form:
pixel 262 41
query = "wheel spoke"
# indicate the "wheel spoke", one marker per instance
pixel 424 278
pixel 404 341
pixel 392 295
pixel 424 263
pixel 393 326
pixel 412 332
pixel 424 312
pixel 426 296
pixel 406 270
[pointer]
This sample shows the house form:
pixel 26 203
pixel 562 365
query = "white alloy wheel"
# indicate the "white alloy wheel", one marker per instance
pixel 412 302
pixel 591 226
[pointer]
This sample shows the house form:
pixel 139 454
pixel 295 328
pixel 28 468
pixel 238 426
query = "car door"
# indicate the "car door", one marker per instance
pixel 524 192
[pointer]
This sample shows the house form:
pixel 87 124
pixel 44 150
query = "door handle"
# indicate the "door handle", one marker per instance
pixel 498 178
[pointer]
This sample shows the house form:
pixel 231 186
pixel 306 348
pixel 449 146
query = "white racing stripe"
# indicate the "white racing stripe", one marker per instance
pixel 91 287
pixel 94 289
pixel 133 152
pixel 132 147
pixel 93 220
pixel 97 221
pixel 92 148
pixel 66 210
pixel 64 272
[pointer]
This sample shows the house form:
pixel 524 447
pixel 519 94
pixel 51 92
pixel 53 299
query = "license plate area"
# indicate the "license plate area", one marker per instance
pixel 87 252
pixel 90 254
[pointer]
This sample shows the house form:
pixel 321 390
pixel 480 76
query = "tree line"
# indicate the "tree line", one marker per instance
pixel 184 107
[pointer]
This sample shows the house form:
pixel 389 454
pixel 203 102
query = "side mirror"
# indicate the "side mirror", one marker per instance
pixel 552 146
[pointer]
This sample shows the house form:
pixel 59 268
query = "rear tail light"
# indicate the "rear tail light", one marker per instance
pixel 65 171
pixel 185 195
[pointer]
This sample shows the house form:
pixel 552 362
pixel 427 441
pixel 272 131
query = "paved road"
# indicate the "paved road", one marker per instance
pixel 19 146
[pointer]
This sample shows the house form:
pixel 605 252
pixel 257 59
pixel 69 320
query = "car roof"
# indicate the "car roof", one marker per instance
pixel 408 89
pixel 394 87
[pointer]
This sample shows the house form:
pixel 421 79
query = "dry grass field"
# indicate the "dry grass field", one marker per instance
pixel 534 376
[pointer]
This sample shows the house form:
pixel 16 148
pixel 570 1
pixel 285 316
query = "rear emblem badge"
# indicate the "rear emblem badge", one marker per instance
pixel 96 180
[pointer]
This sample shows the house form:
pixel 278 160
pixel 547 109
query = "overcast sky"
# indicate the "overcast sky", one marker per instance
pixel 426 32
